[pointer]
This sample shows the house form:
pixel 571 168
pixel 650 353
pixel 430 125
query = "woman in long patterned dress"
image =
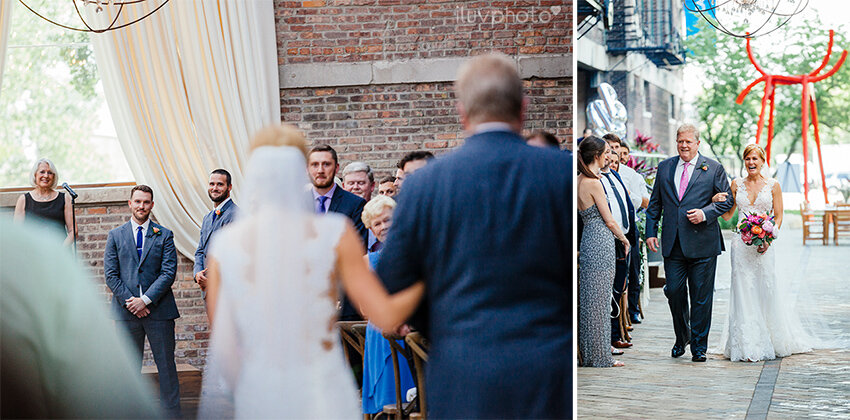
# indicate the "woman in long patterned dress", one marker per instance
pixel 596 257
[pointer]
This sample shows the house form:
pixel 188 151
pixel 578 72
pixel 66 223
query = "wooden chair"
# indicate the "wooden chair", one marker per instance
pixel 419 350
pixel 353 334
pixel 814 225
pixel 400 409
pixel 841 224
pixel 624 320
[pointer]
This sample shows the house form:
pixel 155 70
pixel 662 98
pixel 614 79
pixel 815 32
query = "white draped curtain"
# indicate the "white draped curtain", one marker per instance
pixel 5 24
pixel 187 88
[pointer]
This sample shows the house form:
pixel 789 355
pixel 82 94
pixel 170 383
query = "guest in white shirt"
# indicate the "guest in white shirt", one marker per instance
pixel 635 183
pixel 623 213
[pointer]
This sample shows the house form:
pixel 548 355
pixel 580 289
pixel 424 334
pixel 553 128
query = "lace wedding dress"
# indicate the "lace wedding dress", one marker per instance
pixel 762 323
pixel 274 348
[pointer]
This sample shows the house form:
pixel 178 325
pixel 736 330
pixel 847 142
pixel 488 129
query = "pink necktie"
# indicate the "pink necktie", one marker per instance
pixel 683 183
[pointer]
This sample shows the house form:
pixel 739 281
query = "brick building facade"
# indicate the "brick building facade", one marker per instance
pixel 374 80
pixel 635 46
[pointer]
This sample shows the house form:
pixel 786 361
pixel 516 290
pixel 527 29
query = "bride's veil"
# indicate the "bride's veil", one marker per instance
pixel 256 253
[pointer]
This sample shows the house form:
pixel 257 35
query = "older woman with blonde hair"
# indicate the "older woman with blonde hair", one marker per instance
pixel 378 375
pixel 44 201
pixel 377 217
pixel 280 261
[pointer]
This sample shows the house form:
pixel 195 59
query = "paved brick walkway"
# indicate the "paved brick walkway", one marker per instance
pixel 654 385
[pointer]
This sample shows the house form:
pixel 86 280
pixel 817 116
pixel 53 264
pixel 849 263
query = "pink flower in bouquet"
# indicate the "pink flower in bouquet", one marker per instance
pixel 768 226
pixel 762 234
pixel 747 237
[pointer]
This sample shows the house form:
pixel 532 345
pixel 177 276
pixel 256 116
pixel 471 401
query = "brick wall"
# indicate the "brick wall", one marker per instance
pixel 365 30
pixel 94 221
pixel 378 122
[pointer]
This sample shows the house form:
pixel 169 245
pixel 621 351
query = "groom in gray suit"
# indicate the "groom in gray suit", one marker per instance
pixel 140 263
pixel 224 212
pixel 691 239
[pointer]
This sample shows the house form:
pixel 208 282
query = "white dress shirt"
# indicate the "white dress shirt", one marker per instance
pixel 635 184
pixel 145 227
pixel 612 199
pixel 328 194
pixel 677 177
pixel 492 126
pixel 221 205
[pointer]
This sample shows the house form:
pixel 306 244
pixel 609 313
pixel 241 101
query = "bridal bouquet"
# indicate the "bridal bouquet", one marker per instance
pixel 757 229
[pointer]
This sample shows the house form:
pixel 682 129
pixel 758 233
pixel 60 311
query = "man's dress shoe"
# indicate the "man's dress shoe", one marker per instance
pixel 677 351
pixel 621 344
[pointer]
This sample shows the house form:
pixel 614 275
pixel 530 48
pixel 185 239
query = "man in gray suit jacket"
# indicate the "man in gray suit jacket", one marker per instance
pixel 691 238
pixel 224 212
pixel 140 263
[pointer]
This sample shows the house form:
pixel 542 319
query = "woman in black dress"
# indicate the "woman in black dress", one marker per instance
pixel 44 201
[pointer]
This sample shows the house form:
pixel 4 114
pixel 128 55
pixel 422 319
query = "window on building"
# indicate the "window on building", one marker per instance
pixel 52 105
pixel 647 97
pixel 672 106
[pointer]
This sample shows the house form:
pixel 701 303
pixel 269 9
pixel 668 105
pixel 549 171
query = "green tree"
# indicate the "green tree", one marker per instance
pixel 48 101
pixel 727 71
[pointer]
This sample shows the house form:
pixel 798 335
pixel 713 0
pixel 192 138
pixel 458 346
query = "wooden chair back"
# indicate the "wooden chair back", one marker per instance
pixel 400 409
pixel 841 224
pixel 625 321
pixel 813 225
pixel 353 335
pixel 419 350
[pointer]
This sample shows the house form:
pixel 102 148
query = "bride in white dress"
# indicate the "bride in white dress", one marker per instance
pixel 761 324
pixel 273 279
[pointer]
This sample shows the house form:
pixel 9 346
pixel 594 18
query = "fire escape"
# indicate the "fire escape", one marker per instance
pixel 648 27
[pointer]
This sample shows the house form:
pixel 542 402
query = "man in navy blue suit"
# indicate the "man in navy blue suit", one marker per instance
pixel 322 166
pixel 488 229
pixel 140 263
pixel 224 212
pixel 691 238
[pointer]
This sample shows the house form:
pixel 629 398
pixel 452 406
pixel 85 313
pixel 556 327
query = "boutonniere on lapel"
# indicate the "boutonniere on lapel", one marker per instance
pixel 704 167
pixel 218 213
pixel 156 231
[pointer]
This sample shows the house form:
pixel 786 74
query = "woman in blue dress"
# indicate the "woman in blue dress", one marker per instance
pixel 378 377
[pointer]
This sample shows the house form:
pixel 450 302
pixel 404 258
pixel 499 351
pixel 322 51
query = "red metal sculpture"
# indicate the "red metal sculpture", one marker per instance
pixel 770 82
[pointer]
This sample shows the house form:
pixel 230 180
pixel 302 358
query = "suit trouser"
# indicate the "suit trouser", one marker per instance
pixel 694 278
pixel 620 281
pixel 634 280
pixel 160 335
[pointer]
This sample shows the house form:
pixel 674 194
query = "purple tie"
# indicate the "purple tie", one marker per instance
pixel 321 208
pixel 683 183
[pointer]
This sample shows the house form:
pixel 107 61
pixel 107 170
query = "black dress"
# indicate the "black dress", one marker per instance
pixel 52 211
